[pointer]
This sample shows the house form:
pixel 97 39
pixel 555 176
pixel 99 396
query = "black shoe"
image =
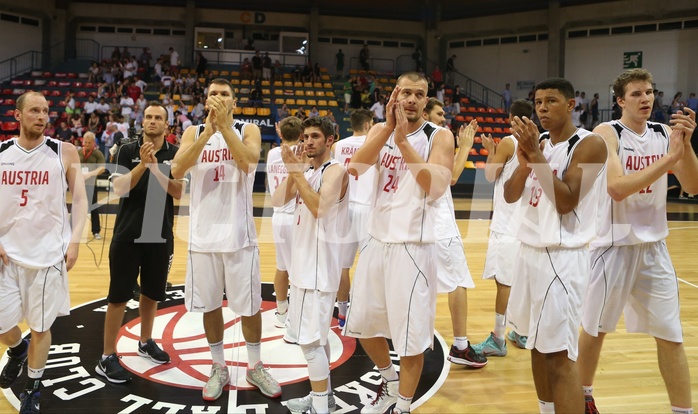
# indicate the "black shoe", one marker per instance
pixel 468 357
pixel 29 400
pixel 168 285
pixel 137 293
pixel 13 367
pixel 152 350
pixel 111 369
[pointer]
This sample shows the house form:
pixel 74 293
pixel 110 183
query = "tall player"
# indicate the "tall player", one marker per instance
pixel 394 293
pixel 318 184
pixel 289 130
pixel 631 271
pixel 222 155
pixel 452 270
pixel 143 242
pixel 37 245
pixel 502 245
pixel 555 183
pixel 361 191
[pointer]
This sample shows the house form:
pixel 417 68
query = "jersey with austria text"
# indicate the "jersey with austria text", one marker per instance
pixel 641 217
pixel 541 224
pixel 276 173
pixel 401 211
pixel 318 266
pixel 361 188
pixel 504 215
pixel 221 217
pixel 35 228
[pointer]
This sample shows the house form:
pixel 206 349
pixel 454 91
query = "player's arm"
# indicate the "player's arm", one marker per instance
pixel 76 185
pixel 191 148
pixel 621 185
pixel 125 183
pixel 514 186
pixel 686 169
pixel 498 155
pixel 433 175
pixel 284 193
pixel 172 186
pixel 333 188
pixel 466 137
pixel 245 152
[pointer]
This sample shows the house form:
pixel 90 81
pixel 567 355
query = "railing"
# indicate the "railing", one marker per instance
pixel 17 65
pixel 235 57
pixel 87 49
pixel 374 64
pixel 106 50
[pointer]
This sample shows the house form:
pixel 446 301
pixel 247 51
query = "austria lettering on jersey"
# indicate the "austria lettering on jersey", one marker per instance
pixel 25 177
pixel 216 155
pixel 640 162
pixel 391 162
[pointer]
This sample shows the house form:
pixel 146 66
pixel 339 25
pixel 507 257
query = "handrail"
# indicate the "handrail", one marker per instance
pixel 104 54
pixel 87 49
pixel 22 63
pixel 374 64
pixel 236 57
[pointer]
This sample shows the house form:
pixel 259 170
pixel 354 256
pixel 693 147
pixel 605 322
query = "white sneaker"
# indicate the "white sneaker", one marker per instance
pixel 305 404
pixel 385 398
pixel 260 378
pixel 216 382
pixel 280 321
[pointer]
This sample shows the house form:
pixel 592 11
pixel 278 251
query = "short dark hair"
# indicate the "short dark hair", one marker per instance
pixel 631 75
pixel 321 122
pixel 359 117
pixel 291 128
pixel 413 76
pixel 158 104
pixel 222 81
pixel 431 103
pixel 521 108
pixel 563 85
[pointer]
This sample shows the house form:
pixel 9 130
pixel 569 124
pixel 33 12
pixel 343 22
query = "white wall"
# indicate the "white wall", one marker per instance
pixel 24 38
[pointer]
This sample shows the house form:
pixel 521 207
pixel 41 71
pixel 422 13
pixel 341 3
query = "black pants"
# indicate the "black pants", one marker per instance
pixel 94 211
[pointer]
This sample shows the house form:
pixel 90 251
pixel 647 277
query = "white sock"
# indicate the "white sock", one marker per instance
pixel 461 342
pixel 343 308
pixel 546 407
pixel 388 373
pixel 254 354
pixel 500 325
pixel 282 306
pixel 320 401
pixel 35 373
pixel 588 390
pixel 217 353
pixel 679 410
pixel 403 403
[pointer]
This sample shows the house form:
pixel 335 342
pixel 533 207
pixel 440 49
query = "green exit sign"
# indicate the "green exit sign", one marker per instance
pixel 632 60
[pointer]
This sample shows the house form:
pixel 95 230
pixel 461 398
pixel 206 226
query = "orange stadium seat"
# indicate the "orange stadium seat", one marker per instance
pixel 317 85
pixel 324 112
pixel 472 109
pixel 263 111
pixel 10 126
pixel 307 84
pixel 473 151
pixel 301 102
pixel 312 102
pixel 489 119
pixel 72 75
pixel 333 103
pixel 248 111
pixel 469 118
pixel 322 102
pixel 309 93
pixel 290 101
pixel 481 109
pixel 237 110
pixel 279 101
pixel 484 152
pixel 9 101
pixel 278 84
pixel 480 165
pixel 235 81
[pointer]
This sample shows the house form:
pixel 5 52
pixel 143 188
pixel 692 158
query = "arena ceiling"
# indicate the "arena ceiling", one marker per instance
pixel 399 10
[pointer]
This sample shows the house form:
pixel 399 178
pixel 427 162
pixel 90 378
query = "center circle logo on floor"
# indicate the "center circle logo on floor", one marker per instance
pixel 71 385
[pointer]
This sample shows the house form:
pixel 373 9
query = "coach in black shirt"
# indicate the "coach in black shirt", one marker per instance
pixel 143 238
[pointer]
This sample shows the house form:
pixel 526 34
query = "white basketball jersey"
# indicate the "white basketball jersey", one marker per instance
pixel 221 199
pixel 445 221
pixel 401 212
pixel 505 215
pixel 361 188
pixel 316 262
pixel 276 173
pixel 541 224
pixel 35 227
pixel 641 217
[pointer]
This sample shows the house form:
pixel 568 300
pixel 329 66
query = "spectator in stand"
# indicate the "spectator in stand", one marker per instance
pixel 178 83
pixel 339 64
pixel 300 113
pixel 69 101
pixel 158 70
pixel 676 103
pixel 63 132
pixel 278 70
pixel 692 102
pixel 256 96
pixel 116 54
pixel 316 72
pixel 282 113
pixel 257 66
pixel 441 92
pixel 102 110
pixel 201 63
pixel 76 125
pixel 594 108
pixel 93 124
pixel 49 130
pixel 126 107
pixel 506 95
pixel 129 68
pixel 132 90
pixel 246 69
pixel 347 93
pixel 297 73
pixel 431 87
pixel 144 62
pixel 313 112
pixel 266 67
pixel 174 61
pixel 417 57
pixel 166 83
pixel 125 54
pixel 456 94
pixel 451 70
pixel 89 108
pixel 142 85
pixel 437 77
pixel 109 78
pixel 307 74
pixel 378 110
pixel 197 112
pixel 450 111
pixel 114 107
pixel 137 117
pixel 364 56
pixel 141 101
pixel 93 74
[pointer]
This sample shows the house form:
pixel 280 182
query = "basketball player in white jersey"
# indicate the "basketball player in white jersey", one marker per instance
pixel 631 271
pixel 502 245
pixel 452 270
pixel 222 156
pixel 556 184
pixel 289 130
pixel 318 185
pixel 37 245
pixel 361 190
pixel 394 292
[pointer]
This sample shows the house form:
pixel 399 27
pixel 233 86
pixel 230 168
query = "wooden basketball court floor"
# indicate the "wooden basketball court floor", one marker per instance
pixel 628 379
